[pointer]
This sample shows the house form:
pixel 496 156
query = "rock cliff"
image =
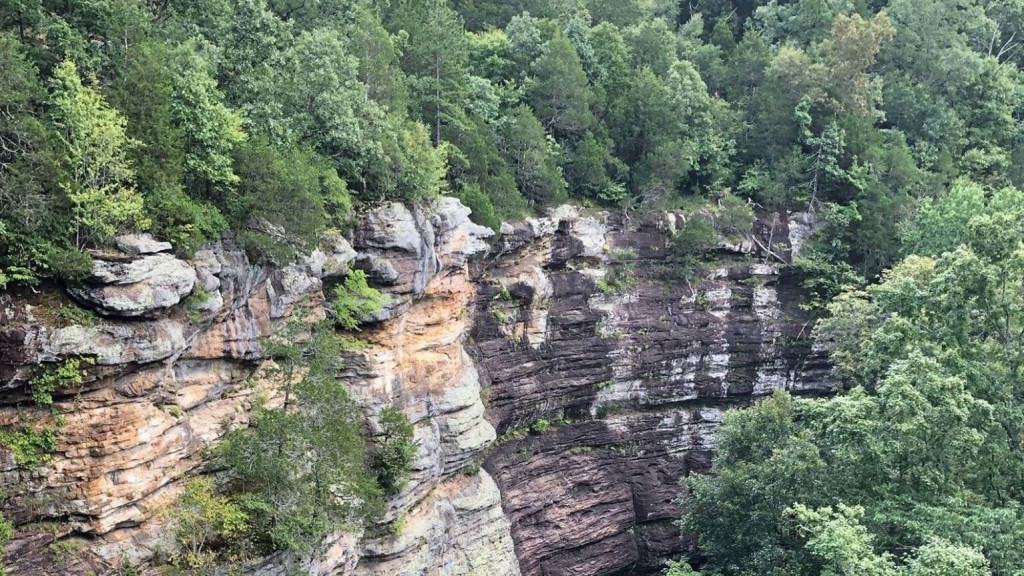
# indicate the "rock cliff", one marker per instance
pixel 172 372
pixel 555 409
pixel 606 393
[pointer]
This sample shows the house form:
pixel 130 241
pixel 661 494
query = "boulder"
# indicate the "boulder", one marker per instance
pixel 138 244
pixel 116 344
pixel 397 243
pixel 140 287
pixel 457 236
pixel 338 254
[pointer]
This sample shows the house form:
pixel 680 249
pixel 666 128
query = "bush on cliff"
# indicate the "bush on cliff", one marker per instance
pixel 299 471
pixel 354 300
pixel 394 451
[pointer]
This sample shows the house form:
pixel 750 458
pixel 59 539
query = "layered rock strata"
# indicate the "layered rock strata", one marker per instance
pixel 607 371
pixel 173 352
pixel 571 357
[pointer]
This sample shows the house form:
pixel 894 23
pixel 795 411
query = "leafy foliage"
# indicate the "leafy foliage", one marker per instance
pixel 354 300
pixel 33 440
pixel 298 471
pixel 187 117
pixel 97 177
pixel 692 243
pixel 6 531
pixel 202 521
pixel 31 445
pixel 394 451
pixel 49 379
pixel 906 472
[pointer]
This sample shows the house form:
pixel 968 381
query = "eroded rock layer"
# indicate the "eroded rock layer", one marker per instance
pixel 607 371
pixel 174 367
pixel 572 357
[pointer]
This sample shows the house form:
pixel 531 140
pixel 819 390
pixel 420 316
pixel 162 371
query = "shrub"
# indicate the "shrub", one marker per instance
pixel 202 521
pixel 734 215
pixel 73 315
pixel 691 244
pixel 195 300
pixel 49 379
pixel 508 203
pixel 394 452
pixel 354 300
pixel 483 211
pixel 397 526
pixel 823 279
pixel 69 264
pixel 30 446
pixel 540 426
pixel 182 221
pixel 621 273
pixel 6 531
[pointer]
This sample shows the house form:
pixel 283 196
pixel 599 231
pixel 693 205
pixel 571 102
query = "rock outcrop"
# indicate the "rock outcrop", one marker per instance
pixel 172 372
pixel 560 380
pixel 607 393
pixel 129 286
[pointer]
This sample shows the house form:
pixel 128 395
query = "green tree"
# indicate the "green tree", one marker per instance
pixel 97 178
pixel 27 218
pixel 202 522
pixel 212 129
pixel 851 50
pixel 144 93
pixel 706 125
pixel 298 470
pixel 527 40
pixel 842 544
pixel 611 72
pixel 379 62
pixel 559 93
pixel 284 198
pixel 533 158
pixel 435 58
pixel 652 45
pixel 394 451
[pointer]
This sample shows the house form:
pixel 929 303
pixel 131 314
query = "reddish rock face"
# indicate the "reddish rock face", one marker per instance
pixel 602 399
pixel 607 398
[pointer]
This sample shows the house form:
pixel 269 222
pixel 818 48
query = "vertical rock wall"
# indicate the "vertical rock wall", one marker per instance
pixel 584 401
pixel 605 398
pixel 173 373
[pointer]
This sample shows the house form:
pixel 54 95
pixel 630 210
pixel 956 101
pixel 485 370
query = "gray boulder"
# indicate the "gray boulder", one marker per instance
pixel 137 244
pixel 338 254
pixel 139 287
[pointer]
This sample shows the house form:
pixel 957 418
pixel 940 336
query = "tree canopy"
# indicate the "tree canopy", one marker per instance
pixel 916 468
pixel 861 111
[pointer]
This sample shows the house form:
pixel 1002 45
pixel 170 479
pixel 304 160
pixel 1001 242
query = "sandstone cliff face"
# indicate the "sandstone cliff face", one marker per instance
pixel 584 405
pixel 607 397
pixel 171 374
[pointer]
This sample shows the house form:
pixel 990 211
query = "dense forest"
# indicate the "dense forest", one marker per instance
pixel 899 124
pixel 189 118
